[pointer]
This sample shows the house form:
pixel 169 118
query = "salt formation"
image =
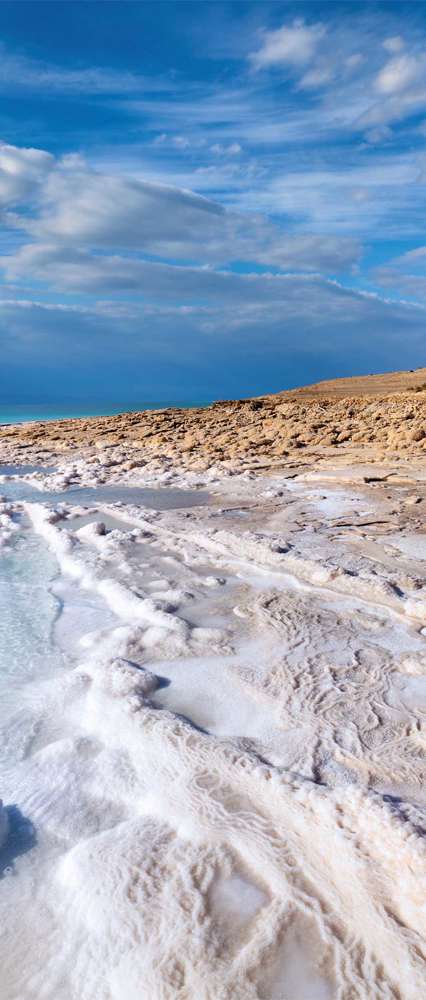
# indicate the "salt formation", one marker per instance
pixel 227 780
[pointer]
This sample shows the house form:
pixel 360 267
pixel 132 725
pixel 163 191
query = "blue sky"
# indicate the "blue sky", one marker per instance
pixel 201 200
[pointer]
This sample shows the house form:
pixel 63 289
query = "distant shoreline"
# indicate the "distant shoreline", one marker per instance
pixel 39 414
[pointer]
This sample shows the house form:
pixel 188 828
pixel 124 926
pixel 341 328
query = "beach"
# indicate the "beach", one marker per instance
pixel 213 700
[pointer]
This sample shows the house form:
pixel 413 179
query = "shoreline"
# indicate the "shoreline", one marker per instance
pixel 44 417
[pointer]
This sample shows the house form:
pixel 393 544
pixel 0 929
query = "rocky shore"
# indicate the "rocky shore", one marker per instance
pixel 381 416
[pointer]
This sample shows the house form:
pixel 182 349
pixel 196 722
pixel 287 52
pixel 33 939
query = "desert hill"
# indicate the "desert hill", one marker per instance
pixel 364 385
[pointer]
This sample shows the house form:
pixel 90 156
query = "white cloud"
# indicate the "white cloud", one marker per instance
pixel 395 108
pixel 73 270
pixel 401 84
pixel 234 149
pixel 22 171
pixel 57 307
pixel 393 44
pixel 350 76
pixel 378 135
pixel 374 196
pixel 406 273
pixel 181 142
pixel 399 73
pixel 294 45
pixel 85 209
pixel 19 71
pixel 419 254
pixel 289 296
pixel 354 60
pixel 316 77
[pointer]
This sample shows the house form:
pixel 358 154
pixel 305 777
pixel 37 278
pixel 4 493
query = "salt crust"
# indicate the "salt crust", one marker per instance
pixel 213 867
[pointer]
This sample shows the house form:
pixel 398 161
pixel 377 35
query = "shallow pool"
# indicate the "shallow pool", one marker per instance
pixel 89 496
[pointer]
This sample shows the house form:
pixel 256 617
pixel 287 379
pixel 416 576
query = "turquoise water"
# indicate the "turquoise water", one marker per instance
pixel 88 496
pixel 21 414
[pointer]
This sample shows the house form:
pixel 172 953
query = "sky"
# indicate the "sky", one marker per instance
pixel 208 200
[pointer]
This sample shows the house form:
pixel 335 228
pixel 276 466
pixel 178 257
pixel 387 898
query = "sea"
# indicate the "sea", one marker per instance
pixel 18 414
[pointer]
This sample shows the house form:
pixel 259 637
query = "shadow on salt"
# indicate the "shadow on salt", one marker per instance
pixel 19 839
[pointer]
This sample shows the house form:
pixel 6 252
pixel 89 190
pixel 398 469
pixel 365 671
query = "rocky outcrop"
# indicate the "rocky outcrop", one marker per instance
pixel 296 423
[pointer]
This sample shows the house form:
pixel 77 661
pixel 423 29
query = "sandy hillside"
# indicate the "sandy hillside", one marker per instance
pixel 365 385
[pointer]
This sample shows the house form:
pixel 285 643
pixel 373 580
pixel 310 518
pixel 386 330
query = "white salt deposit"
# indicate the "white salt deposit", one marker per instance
pixel 412 545
pixel 203 721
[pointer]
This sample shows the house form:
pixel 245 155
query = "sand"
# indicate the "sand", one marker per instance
pixel 227 783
